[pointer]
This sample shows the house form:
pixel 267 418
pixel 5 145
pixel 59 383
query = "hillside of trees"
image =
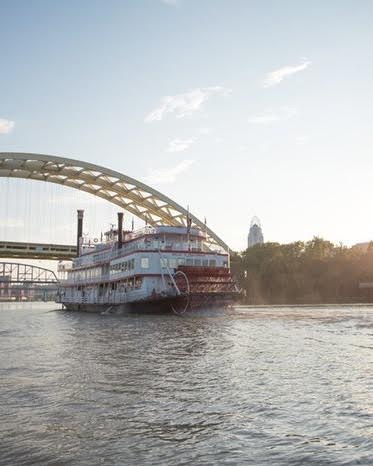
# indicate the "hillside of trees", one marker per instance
pixel 316 271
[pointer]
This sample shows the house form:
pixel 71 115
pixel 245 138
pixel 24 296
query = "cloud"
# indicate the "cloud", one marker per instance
pixel 276 76
pixel 6 126
pixel 171 2
pixel 178 145
pixel 183 105
pixel 271 116
pixel 169 175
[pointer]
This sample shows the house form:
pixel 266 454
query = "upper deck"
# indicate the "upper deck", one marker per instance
pixel 149 238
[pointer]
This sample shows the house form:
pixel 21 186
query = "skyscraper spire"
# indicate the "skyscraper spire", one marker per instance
pixel 255 233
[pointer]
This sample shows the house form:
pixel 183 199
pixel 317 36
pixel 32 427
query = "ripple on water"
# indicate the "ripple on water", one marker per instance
pixel 279 386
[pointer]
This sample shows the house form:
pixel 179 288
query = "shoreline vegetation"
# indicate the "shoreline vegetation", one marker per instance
pixel 312 272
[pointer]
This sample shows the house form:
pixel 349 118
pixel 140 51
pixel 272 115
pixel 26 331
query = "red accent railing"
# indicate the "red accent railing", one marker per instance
pixel 206 280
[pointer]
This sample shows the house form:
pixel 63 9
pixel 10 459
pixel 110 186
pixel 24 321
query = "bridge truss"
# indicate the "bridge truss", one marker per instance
pixel 14 273
pixel 131 195
pixel 19 250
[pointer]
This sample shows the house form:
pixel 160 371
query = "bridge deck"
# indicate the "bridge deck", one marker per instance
pixel 18 250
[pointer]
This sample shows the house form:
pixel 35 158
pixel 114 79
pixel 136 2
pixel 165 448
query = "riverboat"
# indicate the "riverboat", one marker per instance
pixel 156 268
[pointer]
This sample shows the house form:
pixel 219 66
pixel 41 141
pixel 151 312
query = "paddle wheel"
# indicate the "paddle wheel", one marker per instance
pixel 206 286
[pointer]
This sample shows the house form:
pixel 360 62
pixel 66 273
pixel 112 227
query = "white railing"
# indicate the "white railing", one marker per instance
pixel 116 297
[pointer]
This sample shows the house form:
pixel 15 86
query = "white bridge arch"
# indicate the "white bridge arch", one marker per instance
pixel 131 195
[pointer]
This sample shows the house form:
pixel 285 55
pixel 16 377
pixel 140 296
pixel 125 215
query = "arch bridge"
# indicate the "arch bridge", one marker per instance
pixel 128 193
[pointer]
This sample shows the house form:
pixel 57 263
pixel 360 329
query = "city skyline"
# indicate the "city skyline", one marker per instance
pixel 197 100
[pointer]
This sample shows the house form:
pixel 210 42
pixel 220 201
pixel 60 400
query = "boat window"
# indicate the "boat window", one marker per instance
pixel 197 262
pixel 163 263
pixel 181 260
pixel 189 262
pixel 212 263
pixel 144 262
pixel 205 262
pixel 172 263
pixel 138 283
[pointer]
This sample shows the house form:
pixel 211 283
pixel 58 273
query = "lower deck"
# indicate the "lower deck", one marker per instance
pixel 201 285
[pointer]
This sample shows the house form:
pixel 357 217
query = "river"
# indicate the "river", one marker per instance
pixel 254 386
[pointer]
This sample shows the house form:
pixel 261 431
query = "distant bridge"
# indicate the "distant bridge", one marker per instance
pixel 18 250
pixel 26 282
pixel 14 273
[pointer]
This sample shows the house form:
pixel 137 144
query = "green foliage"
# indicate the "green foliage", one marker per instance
pixel 316 271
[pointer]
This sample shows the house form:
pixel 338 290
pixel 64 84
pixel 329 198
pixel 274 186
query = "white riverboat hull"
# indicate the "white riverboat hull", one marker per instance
pixel 176 305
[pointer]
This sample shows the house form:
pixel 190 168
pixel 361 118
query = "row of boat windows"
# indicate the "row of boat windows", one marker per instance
pixel 88 274
pixel 127 285
pixel 123 286
pixel 171 263
pixel 122 267
pixel 125 266
pixel 170 244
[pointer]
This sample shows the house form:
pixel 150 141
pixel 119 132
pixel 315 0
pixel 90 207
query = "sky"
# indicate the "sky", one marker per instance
pixel 233 107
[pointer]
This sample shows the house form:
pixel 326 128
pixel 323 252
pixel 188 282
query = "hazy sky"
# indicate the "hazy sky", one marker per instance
pixel 235 107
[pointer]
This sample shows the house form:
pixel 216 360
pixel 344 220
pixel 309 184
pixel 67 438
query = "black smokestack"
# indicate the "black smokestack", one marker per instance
pixel 120 230
pixel 79 235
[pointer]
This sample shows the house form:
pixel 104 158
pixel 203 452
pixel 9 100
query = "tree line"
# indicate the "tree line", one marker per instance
pixel 315 271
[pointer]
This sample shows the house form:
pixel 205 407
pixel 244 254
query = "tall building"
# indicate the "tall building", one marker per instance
pixel 255 233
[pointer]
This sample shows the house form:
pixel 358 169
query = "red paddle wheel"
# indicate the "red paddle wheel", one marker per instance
pixel 206 285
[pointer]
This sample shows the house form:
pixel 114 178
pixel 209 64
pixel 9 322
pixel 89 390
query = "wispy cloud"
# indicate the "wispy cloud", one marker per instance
pixel 171 2
pixel 6 126
pixel 169 175
pixel 271 116
pixel 182 105
pixel 179 145
pixel 276 76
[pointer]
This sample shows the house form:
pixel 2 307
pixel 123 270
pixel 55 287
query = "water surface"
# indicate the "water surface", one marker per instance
pixel 255 386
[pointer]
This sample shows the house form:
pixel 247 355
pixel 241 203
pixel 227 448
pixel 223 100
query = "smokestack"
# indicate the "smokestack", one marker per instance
pixel 120 230
pixel 79 235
